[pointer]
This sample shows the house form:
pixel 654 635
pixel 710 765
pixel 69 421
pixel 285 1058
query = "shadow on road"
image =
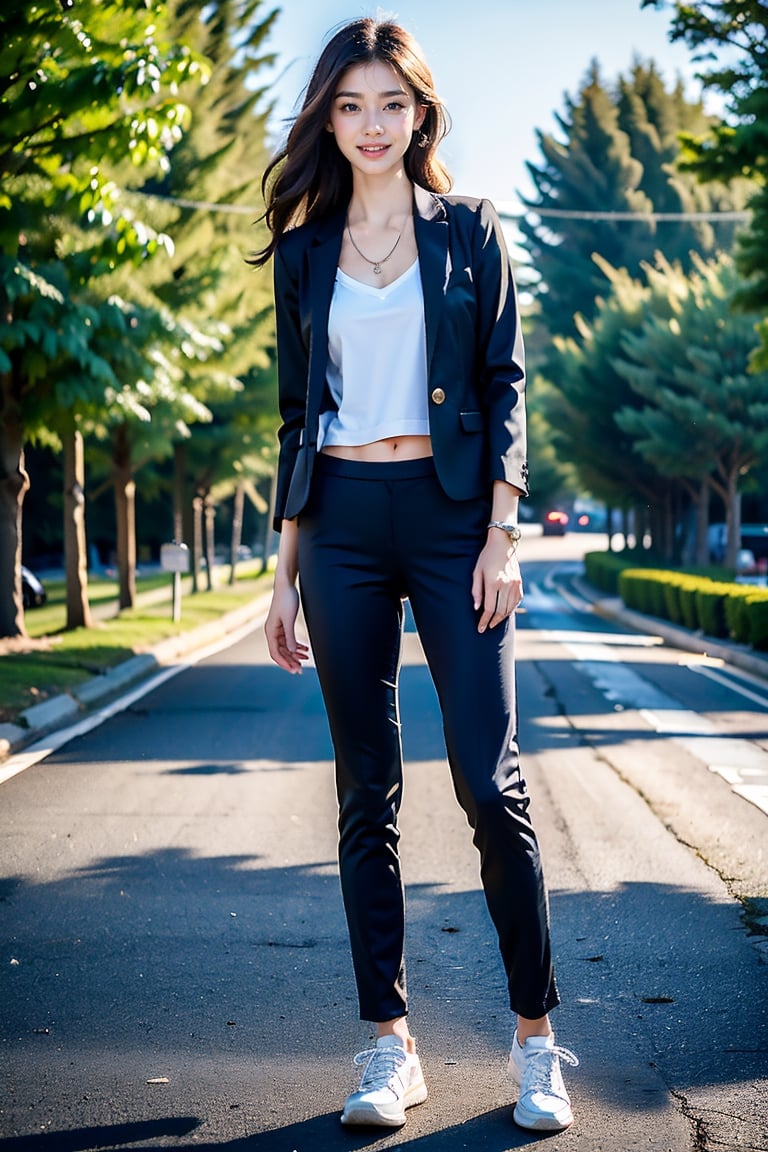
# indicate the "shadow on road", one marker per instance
pixel 491 1132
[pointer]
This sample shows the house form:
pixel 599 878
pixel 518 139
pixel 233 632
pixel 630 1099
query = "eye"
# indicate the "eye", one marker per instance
pixel 395 106
pixel 348 106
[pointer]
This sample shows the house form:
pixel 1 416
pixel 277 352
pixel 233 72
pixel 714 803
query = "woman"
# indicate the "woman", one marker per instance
pixel 402 458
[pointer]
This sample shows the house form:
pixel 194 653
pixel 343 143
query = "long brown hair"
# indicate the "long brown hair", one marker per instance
pixel 309 178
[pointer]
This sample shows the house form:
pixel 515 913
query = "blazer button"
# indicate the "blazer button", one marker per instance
pixel 438 395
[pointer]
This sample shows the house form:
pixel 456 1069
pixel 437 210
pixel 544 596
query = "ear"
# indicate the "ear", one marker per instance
pixel 418 119
pixel 329 128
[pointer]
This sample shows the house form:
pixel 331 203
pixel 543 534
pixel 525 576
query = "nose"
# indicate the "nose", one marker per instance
pixel 372 127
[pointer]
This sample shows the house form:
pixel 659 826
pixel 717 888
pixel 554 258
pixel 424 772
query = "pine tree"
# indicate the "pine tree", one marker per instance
pixel 218 165
pixel 581 410
pixel 704 417
pixel 616 153
pixel 738 146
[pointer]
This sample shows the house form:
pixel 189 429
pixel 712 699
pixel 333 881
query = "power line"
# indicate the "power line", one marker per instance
pixel 200 205
pixel 736 217
pixel 632 217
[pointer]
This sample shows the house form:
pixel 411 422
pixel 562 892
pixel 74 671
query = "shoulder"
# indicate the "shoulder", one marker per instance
pixel 473 216
pixel 467 208
pixel 295 241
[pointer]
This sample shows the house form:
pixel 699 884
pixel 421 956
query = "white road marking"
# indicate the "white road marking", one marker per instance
pixel 741 763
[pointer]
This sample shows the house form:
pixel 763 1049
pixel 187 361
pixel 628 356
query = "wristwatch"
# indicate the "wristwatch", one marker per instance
pixel 512 530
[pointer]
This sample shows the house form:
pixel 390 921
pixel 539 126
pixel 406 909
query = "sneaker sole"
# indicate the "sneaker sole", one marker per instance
pixel 536 1122
pixel 370 1115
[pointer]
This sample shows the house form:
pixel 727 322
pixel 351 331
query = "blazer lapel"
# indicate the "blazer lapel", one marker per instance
pixel 431 227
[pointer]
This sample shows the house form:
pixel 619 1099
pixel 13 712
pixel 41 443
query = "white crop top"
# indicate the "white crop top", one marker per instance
pixel 377 361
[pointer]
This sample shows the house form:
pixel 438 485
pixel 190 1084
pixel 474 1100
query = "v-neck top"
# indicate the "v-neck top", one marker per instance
pixel 377 361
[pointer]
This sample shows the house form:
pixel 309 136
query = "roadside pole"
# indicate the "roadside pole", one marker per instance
pixel 174 558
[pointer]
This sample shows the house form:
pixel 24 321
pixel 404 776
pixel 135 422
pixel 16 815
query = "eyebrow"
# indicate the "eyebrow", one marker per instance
pixel 359 95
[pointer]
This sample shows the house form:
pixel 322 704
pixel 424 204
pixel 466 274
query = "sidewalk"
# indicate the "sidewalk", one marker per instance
pixel 67 708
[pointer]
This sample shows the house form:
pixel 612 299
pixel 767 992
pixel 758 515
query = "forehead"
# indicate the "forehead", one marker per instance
pixel 373 78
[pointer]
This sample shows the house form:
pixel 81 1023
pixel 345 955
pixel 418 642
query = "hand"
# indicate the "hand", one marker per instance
pixel 497 586
pixel 280 629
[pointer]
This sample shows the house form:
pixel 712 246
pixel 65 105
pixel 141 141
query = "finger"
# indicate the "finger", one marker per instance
pixel 489 617
pixel 477 588
pixel 284 649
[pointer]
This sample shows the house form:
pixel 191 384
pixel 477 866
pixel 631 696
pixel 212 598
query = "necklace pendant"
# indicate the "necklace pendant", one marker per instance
pixel 377 269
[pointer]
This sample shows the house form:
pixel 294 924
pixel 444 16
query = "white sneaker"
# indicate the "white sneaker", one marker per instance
pixel 543 1102
pixel 392 1081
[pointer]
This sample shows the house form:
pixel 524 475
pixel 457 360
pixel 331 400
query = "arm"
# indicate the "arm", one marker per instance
pixel 497 586
pixel 280 625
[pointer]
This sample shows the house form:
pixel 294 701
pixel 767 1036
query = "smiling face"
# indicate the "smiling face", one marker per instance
pixel 373 117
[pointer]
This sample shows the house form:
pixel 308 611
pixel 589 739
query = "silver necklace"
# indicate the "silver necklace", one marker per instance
pixel 376 263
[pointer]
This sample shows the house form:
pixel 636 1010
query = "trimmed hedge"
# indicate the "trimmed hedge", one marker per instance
pixel 757 612
pixel 602 569
pixel 717 608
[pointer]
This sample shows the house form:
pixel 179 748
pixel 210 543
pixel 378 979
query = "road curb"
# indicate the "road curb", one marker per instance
pixel 62 709
pixel 738 654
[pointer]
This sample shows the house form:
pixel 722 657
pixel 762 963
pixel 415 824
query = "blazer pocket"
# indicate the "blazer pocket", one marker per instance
pixel 472 421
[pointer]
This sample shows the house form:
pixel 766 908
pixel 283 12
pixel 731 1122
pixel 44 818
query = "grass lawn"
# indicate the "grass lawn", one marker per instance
pixel 56 661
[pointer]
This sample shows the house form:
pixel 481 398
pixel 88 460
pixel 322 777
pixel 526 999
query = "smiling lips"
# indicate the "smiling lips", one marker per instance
pixel 373 149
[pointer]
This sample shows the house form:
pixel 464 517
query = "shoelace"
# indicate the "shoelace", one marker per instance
pixel 381 1066
pixel 541 1072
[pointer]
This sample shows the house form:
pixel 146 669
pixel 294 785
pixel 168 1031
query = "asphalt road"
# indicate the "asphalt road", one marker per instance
pixel 174 970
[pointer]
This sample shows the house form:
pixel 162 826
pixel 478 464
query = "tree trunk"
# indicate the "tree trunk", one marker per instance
pixel 197 540
pixel 75 548
pixel 179 474
pixel 237 529
pixel 209 511
pixel 14 483
pixel 609 525
pixel 125 513
pixel 732 519
pixel 702 522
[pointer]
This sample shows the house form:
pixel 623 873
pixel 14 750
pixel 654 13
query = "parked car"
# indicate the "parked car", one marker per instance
pixel 32 592
pixel 554 523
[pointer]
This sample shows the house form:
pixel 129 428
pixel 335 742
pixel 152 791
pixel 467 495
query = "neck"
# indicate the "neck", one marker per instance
pixel 377 200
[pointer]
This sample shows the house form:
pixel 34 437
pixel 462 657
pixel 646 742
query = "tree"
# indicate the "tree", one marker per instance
pixel 204 199
pixel 581 411
pixel 617 153
pixel 80 90
pixel 737 146
pixel 704 417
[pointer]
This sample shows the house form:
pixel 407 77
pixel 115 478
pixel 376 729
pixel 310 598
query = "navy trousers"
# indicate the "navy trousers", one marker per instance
pixel 371 535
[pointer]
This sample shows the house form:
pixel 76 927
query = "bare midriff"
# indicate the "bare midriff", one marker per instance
pixel 379 451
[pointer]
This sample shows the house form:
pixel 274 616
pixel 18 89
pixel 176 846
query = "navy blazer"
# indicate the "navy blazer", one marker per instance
pixel 475 359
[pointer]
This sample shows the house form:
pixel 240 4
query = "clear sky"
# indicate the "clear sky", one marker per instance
pixel 501 67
